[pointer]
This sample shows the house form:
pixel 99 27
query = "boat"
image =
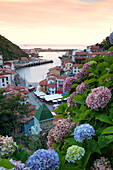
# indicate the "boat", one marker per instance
pixel 31 89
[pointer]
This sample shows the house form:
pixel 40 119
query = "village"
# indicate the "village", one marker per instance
pixel 50 89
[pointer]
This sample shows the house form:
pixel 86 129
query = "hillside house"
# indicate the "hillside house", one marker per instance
pixel 43 118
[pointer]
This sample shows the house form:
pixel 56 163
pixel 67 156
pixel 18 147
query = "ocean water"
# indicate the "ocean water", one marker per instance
pixel 37 73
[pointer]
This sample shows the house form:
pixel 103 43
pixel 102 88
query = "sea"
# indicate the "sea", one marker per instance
pixel 34 74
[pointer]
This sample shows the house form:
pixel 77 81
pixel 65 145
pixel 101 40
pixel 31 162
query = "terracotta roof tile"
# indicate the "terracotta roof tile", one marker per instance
pixel 43 82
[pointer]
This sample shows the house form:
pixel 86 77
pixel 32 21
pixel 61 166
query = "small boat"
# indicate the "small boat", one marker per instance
pixel 31 89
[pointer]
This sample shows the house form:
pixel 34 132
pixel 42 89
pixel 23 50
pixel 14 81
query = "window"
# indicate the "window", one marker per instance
pixel 29 130
pixel 2 80
pixel 6 78
pixel 3 84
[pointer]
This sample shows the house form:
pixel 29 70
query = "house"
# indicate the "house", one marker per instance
pixel 43 86
pixel 55 70
pixel 66 64
pixel 24 60
pixel 43 118
pixel 9 65
pixel 76 68
pixel 93 48
pixel 60 80
pixel 5 77
pixel 26 122
pixel 1 60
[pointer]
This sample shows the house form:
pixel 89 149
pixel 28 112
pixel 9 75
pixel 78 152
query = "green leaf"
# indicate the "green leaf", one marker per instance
pixel 65 96
pixel 103 118
pixel 7 164
pixel 108 130
pixel 90 81
pixel 102 141
pixel 104 77
pixel 71 166
pixel 110 49
pixel 74 85
pixel 70 140
pixel 79 99
pixel 23 155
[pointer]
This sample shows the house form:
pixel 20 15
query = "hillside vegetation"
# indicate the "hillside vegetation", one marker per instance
pixel 9 50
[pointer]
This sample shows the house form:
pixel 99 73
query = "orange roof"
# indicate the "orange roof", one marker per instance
pixel 93 46
pixel 43 83
pixel 25 91
pixel 31 114
pixel 56 121
pixel 24 58
pixel 51 85
pixel 52 75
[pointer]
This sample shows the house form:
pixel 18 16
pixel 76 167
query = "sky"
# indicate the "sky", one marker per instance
pixel 56 22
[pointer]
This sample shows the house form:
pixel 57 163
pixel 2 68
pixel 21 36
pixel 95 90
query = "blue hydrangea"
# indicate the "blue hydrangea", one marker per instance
pixel 43 160
pixel 84 131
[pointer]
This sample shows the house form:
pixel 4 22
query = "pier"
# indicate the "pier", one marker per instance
pixel 20 65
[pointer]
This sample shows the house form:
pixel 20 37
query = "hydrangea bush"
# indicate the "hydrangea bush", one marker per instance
pixel 90 104
pixel 6 146
pixel 44 160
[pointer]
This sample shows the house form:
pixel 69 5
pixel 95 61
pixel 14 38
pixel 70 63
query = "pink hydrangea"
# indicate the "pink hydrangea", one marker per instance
pixel 110 53
pixel 86 66
pixel 98 98
pixel 59 132
pixel 101 164
pixel 79 76
pixel 69 81
pixel 71 102
pixel 82 88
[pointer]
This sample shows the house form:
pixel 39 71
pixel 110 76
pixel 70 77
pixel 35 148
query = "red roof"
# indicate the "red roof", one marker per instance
pixel 55 68
pixel 56 121
pixel 2 77
pixel 25 91
pixel 81 57
pixel 76 65
pixel 51 78
pixel 51 85
pixel 31 114
pixel 61 77
pixel 43 83
pixel 52 75
pixel 19 87
pixel 93 46
pixel 81 53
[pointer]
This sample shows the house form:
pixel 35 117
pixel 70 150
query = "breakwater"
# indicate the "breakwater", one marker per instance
pixel 20 65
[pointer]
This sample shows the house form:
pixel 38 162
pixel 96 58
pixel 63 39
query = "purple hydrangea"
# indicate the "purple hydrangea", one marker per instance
pixel 71 102
pixel 84 131
pixel 82 88
pixel 44 160
pixel 111 38
pixel 99 97
pixel 69 81
pixel 101 164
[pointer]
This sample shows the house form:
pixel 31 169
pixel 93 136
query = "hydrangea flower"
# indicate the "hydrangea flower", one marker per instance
pixel 101 164
pixel 18 164
pixel 79 76
pixel 84 131
pixel 71 102
pixel 44 160
pixel 110 53
pixel 81 88
pixel 59 132
pixel 99 97
pixel 68 82
pixel 74 153
pixel 6 146
pixel 111 38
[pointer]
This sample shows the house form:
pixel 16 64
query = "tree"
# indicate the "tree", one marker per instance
pixel 9 107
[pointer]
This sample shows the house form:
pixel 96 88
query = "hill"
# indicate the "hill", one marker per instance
pixel 9 50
